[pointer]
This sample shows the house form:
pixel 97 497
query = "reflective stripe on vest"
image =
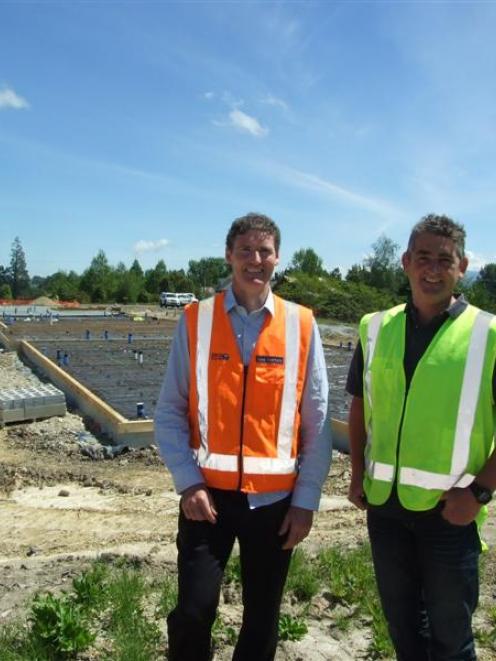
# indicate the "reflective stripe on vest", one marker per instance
pixel 465 415
pixel 374 468
pixel 284 463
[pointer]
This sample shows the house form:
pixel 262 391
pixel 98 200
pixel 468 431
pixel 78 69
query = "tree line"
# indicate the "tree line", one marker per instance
pixel 377 282
pixel 103 283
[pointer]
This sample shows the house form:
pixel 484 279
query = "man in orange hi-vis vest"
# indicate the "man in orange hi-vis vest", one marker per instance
pixel 240 425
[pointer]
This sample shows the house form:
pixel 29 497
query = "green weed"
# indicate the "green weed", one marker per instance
pixel 487 636
pixel 221 633
pixel 58 625
pixel 350 577
pixel 381 645
pixel 90 588
pixel 291 628
pixel 303 577
pixel 168 596
pixel 135 637
pixel 232 572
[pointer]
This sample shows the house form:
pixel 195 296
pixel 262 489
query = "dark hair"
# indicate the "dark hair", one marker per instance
pixel 253 221
pixel 442 226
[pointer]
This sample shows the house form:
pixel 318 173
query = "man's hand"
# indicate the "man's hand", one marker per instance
pixel 197 504
pixel 296 526
pixel 460 507
pixel 356 494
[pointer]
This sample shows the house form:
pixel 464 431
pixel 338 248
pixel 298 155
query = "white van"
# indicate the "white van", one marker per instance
pixel 185 298
pixel 169 299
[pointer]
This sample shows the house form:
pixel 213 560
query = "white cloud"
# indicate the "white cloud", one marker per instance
pixel 271 100
pixel 208 95
pixel 476 261
pixel 9 99
pixel 312 182
pixel 143 246
pixel 244 122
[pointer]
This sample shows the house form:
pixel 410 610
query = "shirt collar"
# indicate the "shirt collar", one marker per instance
pixel 454 310
pixel 230 302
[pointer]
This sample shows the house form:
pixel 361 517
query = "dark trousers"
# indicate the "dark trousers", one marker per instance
pixel 203 551
pixel 427 575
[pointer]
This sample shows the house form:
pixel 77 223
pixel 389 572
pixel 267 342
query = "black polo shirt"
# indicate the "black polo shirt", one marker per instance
pixel 418 336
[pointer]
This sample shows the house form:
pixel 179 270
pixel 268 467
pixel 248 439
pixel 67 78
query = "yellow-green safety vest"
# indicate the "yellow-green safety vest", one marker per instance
pixel 439 433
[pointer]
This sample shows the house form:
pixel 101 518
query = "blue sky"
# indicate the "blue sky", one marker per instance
pixel 145 128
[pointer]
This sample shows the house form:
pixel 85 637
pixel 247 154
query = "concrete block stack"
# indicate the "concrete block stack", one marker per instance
pixel 31 403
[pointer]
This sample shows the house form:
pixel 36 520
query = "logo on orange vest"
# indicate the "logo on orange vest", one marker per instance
pixel 219 356
pixel 270 360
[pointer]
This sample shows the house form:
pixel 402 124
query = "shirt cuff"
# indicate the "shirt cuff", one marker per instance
pixel 186 477
pixel 308 498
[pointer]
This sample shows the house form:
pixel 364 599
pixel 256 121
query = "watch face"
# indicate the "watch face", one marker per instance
pixel 482 495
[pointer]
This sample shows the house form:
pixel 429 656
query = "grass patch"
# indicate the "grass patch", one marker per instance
pixel 168 595
pixel 232 572
pixel 291 628
pixel 59 626
pixel 135 637
pixel 111 612
pixel 349 576
pixel 223 633
pixel 114 612
pixel 303 581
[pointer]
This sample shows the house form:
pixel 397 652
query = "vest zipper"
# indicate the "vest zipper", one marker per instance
pixel 241 429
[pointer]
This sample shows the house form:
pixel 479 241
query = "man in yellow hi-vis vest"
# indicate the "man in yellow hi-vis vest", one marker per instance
pixel 240 425
pixel 421 426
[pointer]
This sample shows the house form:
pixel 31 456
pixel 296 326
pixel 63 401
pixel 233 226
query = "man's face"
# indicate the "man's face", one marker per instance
pixel 253 258
pixel 433 268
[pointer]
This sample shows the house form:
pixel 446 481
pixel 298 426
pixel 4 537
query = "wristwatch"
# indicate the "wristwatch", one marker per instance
pixel 481 494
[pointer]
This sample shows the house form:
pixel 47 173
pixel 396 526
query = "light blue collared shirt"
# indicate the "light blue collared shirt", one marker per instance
pixel 171 415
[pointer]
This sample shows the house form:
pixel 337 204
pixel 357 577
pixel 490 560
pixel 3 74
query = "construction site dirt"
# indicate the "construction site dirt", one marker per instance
pixel 60 507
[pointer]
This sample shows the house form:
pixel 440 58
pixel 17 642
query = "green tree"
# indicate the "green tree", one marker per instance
pixel 136 269
pixel 356 273
pixel 178 281
pixel 207 271
pixel 5 291
pixel 307 261
pixel 19 276
pixel 98 280
pixel 62 285
pixel 383 269
pixel 487 278
pixel 154 278
pixel 482 292
pixel 127 284
pixel 4 276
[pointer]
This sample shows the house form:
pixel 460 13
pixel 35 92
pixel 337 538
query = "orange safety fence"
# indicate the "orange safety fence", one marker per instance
pixel 24 301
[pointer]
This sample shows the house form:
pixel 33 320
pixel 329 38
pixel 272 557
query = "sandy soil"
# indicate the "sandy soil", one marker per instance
pixel 59 509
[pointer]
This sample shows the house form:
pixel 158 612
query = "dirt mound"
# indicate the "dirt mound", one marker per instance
pixel 43 300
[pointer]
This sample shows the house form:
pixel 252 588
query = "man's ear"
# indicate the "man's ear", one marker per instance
pixel 405 260
pixel 463 265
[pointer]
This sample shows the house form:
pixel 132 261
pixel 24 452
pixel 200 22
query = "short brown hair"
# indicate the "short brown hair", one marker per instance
pixel 253 221
pixel 442 226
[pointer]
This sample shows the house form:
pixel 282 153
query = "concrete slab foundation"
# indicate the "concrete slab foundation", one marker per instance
pixel 106 367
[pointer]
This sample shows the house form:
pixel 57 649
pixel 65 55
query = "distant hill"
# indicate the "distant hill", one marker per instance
pixel 469 277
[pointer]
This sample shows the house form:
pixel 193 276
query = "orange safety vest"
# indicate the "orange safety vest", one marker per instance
pixel 244 422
